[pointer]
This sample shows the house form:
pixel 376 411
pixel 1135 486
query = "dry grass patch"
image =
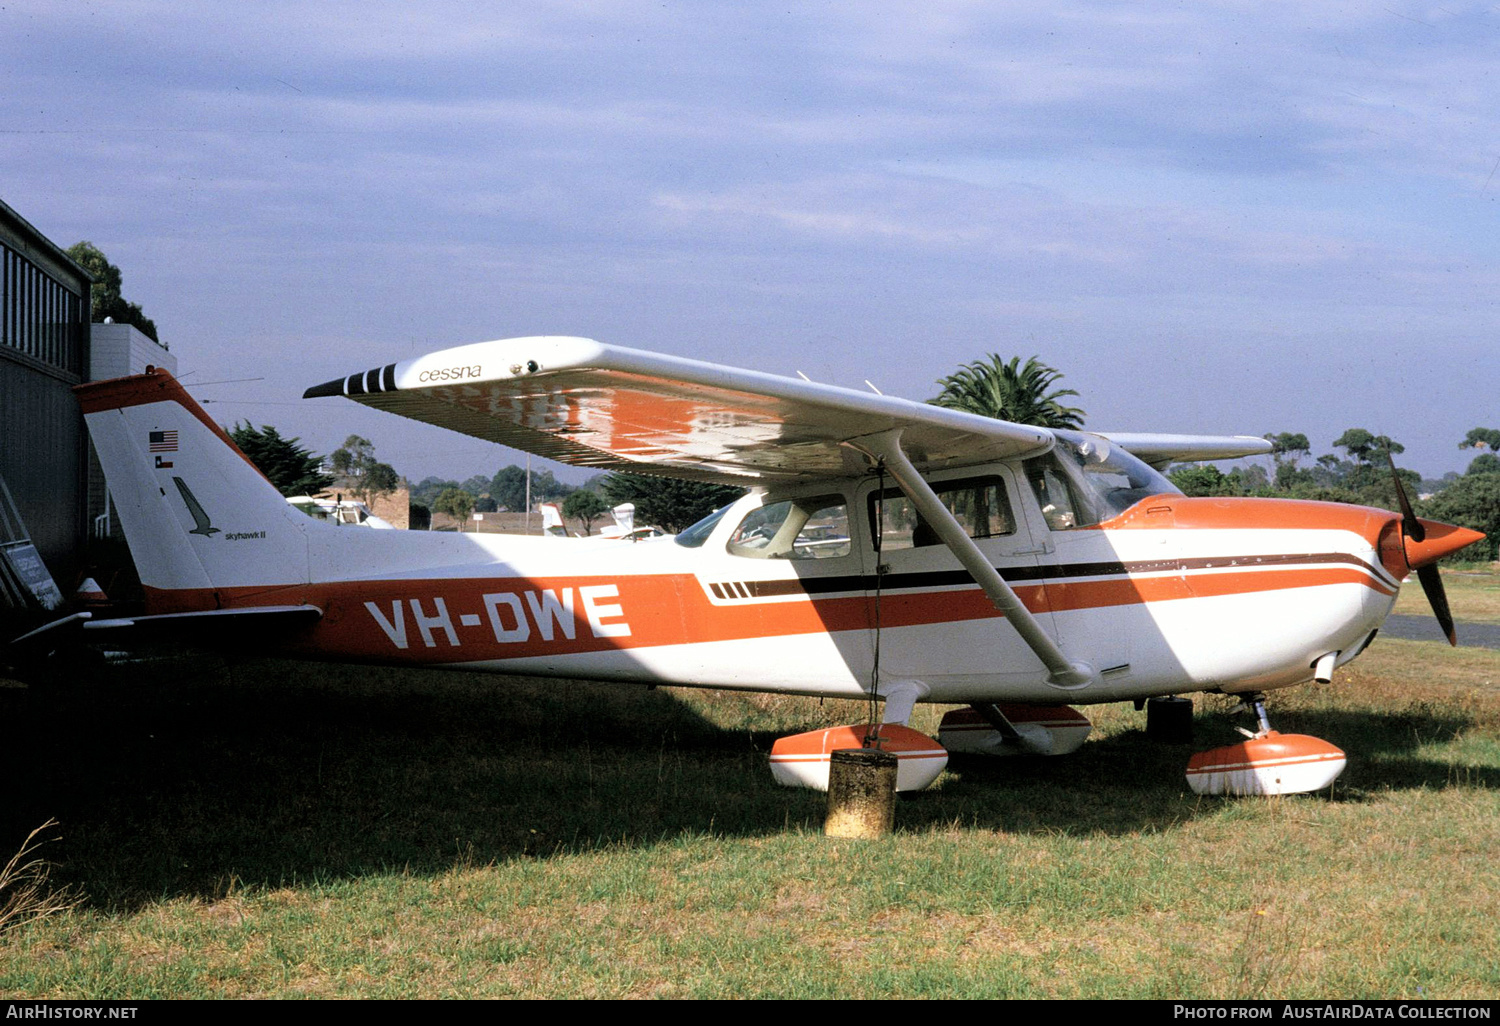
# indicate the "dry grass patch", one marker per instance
pixel 27 894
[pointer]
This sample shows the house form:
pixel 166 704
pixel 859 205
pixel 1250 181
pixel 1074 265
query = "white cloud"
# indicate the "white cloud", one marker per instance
pixel 738 179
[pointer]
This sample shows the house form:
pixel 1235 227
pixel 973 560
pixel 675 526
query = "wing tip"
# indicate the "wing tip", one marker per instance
pixel 376 379
pixel 334 387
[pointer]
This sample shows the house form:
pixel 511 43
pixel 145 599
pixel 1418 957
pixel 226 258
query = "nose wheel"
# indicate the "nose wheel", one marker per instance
pixel 1266 762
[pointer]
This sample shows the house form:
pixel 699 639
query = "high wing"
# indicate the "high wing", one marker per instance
pixel 595 405
pixel 1162 450
pixel 612 408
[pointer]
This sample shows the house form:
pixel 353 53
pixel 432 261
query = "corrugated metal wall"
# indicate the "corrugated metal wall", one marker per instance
pixel 43 352
pixel 42 458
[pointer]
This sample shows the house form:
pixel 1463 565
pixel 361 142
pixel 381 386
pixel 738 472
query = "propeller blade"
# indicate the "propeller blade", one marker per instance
pixel 1409 522
pixel 1424 558
pixel 1432 586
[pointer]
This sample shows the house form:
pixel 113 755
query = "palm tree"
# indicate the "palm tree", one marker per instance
pixel 1010 391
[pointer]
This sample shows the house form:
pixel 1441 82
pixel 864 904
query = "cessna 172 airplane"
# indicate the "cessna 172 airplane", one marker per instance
pixel 887 549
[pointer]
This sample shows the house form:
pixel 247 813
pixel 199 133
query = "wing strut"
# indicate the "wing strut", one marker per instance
pixel 885 448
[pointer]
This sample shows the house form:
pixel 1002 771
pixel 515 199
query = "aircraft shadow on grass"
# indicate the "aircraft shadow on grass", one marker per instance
pixel 181 779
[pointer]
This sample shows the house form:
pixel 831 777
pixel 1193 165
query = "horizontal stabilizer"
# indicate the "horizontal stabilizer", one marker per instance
pixel 252 626
pixel 50 633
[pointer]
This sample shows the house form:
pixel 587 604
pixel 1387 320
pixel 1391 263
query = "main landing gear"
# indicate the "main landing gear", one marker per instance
pixel 803 760
pixel 1266 762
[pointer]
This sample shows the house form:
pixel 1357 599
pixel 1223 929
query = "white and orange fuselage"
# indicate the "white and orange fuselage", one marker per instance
pixel 1174 595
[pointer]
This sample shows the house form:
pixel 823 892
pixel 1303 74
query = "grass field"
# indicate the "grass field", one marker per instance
pixel 1473 596
pixel 273 829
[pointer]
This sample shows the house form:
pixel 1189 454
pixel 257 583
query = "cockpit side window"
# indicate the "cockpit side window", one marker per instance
pixel 1055 493
pixel 816 527
pixel 979 504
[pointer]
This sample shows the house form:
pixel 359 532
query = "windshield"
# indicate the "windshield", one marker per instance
pixel 1086 479
pixel 696 535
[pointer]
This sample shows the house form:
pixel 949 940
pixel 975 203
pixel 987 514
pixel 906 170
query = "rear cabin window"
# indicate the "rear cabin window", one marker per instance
pixel 979 504
pixel 810 528
pixel 695 536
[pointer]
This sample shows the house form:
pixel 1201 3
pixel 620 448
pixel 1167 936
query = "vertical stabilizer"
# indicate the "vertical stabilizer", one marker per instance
pixel 552 521
pixel 202 521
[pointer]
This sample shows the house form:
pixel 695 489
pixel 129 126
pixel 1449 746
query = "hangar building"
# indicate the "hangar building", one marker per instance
pixel 47 346
pixel 44 352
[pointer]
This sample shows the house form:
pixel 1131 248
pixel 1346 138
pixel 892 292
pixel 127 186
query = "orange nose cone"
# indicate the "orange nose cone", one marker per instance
pixel 1441 540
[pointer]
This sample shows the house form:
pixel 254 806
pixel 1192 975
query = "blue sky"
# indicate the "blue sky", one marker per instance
pixel 1211 217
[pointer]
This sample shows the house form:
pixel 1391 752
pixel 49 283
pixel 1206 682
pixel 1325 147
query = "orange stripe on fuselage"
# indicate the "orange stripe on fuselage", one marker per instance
pixel 1067 595
pixel 512 617
pixel 468 619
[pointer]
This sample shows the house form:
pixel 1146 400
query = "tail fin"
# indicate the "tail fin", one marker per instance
pixel 552 521
pixel 200 519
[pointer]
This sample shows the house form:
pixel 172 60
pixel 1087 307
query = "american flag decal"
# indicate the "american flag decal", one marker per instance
pixel 163 441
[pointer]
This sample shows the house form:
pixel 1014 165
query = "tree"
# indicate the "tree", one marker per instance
pixel 509 487
pixel 1010 391
pixel 1287 445
pixel 349 459
pixel 1203 479
pixel 1485 463
pixel 545 487
pixel 1482 438
pixel 1364 447
pixel 669 503
pixel 378 479
pixel 427 491
pixel 1250 479
pixel 363 474
pixel 457 503
pixel 586 506
pixel 1286 449
pixel 1472 501
pixel 104 294
pixel 290 467
pixel 1367 477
